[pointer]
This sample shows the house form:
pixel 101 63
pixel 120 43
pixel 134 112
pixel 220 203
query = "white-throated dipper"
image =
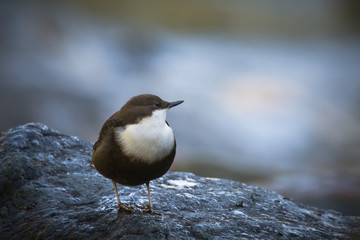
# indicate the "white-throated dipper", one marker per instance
pixel 136 144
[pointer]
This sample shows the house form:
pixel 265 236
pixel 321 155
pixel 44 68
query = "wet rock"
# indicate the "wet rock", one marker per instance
pixel 48 191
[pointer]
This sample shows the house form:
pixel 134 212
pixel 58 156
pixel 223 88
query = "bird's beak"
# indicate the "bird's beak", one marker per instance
pixel 173 104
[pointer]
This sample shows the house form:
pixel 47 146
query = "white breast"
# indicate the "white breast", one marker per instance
pixel 149 140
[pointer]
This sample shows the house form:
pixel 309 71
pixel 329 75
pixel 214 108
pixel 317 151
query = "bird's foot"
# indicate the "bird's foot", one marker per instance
pixel 148 209
pixel 122 208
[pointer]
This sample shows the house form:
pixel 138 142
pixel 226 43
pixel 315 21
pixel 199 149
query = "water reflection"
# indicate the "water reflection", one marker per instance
pixel 272 110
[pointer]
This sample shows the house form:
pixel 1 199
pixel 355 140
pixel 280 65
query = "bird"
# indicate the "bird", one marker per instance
pixel 136 145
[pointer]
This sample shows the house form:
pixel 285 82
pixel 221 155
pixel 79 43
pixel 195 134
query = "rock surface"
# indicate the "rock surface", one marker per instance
pixel 48 191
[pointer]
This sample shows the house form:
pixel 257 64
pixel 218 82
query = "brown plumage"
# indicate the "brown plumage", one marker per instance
pixel 136 145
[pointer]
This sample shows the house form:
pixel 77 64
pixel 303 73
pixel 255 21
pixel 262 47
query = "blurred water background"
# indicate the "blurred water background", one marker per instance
pixel 271 88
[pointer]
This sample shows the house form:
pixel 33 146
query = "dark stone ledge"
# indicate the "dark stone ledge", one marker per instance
pixel 48 191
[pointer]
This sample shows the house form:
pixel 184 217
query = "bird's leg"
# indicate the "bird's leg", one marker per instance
pixel 120 206
pixel 149 208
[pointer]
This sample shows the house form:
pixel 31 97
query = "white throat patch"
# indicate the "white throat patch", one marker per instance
pixel 149 140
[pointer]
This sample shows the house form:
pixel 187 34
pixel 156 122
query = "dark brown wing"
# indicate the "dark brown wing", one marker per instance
pixel 110 124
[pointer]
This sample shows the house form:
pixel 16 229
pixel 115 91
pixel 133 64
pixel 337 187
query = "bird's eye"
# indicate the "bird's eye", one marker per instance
pixel 157 104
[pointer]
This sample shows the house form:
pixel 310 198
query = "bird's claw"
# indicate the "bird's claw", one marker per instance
pixel 147 209
pixel 122 208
